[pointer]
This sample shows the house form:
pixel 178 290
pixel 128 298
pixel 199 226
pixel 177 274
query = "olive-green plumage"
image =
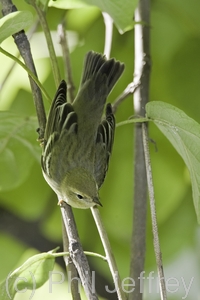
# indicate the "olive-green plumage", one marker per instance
pixel 77 143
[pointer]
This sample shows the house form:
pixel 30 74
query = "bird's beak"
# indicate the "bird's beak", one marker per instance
pixel 96 201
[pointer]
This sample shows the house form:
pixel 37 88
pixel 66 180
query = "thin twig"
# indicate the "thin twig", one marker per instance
pixel 76 252
pixel 141 97
pixel 156 242
pixel 132 120
pixel 129 90
pixel 108 21
pixel 10 70
pixel 109 255
pixel 66 57
pixel 52 54
pixel 29 72
pixel 24 48
pixel 70 267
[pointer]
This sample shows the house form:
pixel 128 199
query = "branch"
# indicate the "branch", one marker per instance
pixel 76 252
pixel 130 89
pixel 141 97
pixel 108 21
pixel 156 242
pixel 109 255
pixel 71 267
pixel 67 65
pixel 52 54
pixel 25 51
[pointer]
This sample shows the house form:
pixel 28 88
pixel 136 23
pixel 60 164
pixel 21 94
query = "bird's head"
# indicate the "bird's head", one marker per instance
pixel 79 189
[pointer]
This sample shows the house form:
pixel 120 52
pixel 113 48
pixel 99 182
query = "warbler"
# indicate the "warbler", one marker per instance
pixel 77 142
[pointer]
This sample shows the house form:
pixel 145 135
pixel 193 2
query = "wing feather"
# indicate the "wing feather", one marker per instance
pixel 60 134
pixel 104 143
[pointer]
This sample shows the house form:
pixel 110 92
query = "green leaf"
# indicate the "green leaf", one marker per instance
pixel 31 275
pixel 184 134
pixel 122 12
pixel 13 23
pixel 18 149
pixel 70 4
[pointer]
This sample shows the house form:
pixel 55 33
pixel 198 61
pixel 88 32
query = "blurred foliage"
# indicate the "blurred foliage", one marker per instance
pixel 175 48
pixel 10 24
pixel 120 11
pixel 183 133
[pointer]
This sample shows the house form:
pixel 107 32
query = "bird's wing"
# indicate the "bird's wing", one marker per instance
pixel 104 143
pixel 58 111
pixel 60 134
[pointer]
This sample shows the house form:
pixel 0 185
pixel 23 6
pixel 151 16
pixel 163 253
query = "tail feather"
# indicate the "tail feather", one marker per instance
pixel 92 64
pixel 98 79
pixel 97 66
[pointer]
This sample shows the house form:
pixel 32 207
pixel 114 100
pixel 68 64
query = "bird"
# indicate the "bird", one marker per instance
pixel 78 142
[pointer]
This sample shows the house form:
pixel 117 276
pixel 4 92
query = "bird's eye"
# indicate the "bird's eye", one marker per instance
pixel 80 197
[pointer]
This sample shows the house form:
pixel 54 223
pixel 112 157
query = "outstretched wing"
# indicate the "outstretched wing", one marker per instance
pixel 60 132
pixel 104 143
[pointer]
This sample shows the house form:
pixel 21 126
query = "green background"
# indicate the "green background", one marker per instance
pixel 30 220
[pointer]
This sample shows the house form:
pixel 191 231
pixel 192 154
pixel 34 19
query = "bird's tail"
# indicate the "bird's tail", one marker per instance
pixel 98 79
pixel 98 68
